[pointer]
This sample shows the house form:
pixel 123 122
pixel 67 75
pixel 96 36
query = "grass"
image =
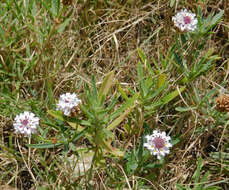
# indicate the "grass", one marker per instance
pixel 134 72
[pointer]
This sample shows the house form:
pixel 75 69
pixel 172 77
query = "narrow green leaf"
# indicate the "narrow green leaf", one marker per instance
pixel 72 124
pixel 161 80
pixel 180 187
pixel 172 95
pixel 94 89
pixel 131 101
pixel 196 175
pixel 2 33
pixel 55 7
pixel 106 84
pixel 117 121
pixel 77 135
pixel 86 111
pixel 172 2
pixel 63 25
pixel 217 17
pixel 157 92
pixel 122 92
pixel 115 151
pixel 183 109
pixel 141 80
pixel 50 92
pixel 142 56
pixel 45 145
pixel 212 188
pixel 56 114
pixel 166 99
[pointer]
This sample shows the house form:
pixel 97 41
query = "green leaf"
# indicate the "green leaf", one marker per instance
pixel 62 26
pixel 212 188
pixel 141 80
pixel 217 17
pixel 130 103
pixel 94 89
pixel 106 85
pixel 55 7
pixel 175 141
pixel 183 109
pixel 108 133
pixel 150 165
pixel 157 92
pixel 166 99
pixel 86 111
pixel 2 33
pixel 50 92
pixel 77 135
pixel 180 187
pixel 172 95
pixel 117 121
pixel 122 92
pixel 196 175
pixel 72 124
pixel 142 56
pixel 172 2
pixel 106 144
pixel 132 163
pixel 161 80
pixel 45 145
pixel 56 114
pixel 42 188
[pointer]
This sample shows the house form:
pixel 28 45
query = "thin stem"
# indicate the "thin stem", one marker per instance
pixel 27 166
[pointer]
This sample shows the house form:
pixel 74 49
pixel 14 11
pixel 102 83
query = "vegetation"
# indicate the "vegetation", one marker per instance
pixel 134 72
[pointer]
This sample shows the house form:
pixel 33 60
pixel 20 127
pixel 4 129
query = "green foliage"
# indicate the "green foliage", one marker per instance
pixel 168 82
pixel 223 157
pixel 100 119
pixel 153 93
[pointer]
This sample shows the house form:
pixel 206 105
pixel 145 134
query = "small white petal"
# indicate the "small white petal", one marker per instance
pixel 158 157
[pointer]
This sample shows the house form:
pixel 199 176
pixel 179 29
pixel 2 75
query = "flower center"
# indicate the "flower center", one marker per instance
pixel 66 101
pixel 25 122
pixel 158 143
pixel 187 20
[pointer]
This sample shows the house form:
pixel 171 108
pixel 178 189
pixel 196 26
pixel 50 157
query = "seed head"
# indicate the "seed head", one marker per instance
pixel 222 103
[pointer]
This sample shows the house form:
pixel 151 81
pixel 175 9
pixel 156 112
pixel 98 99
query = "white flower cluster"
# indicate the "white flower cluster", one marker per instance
pixel 185 20
pixel 158 144
pixel 26 123
pixel 67 102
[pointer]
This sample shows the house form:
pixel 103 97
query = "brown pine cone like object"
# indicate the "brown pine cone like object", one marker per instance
pixel 222 103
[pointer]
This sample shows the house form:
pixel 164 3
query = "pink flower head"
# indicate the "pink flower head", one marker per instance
pixel 67 102
pixel 26 123
pixel 158 143
pixel 185 20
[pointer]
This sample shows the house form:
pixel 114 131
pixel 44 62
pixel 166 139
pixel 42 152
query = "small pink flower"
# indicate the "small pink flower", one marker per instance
pixel 158 143
pixel 185 20
pixel 26 123
pixel 67 102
